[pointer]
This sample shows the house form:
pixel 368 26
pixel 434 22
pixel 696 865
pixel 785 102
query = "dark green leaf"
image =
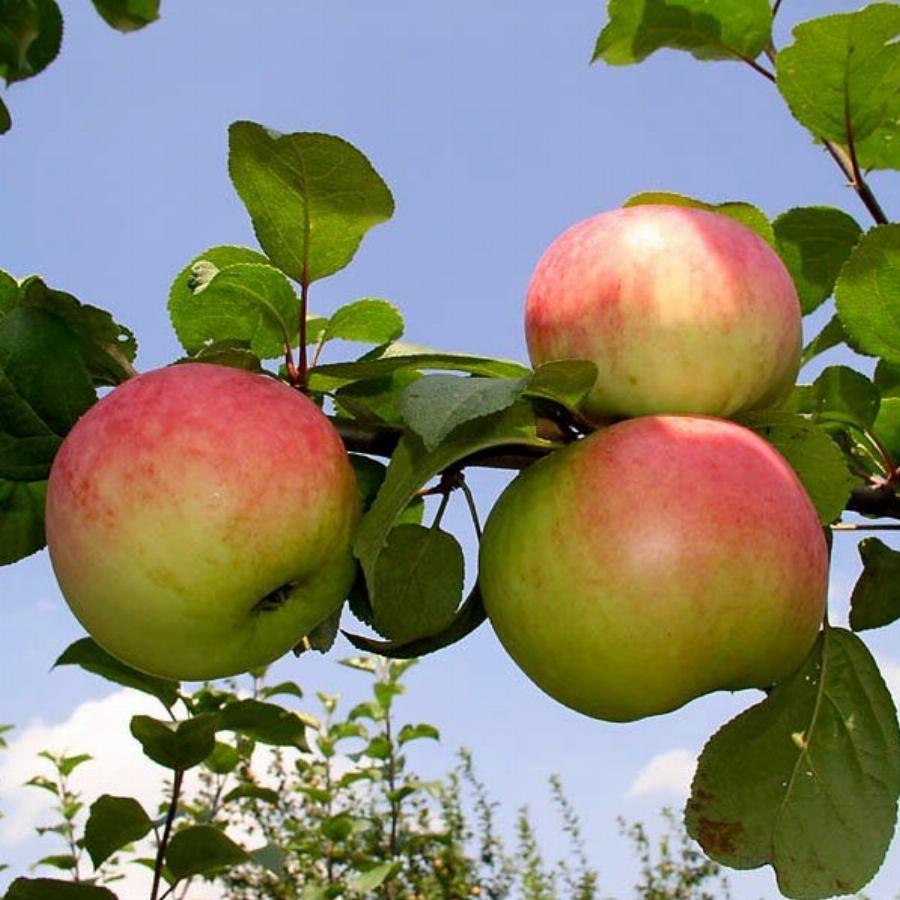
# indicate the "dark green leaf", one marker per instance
pixel 290 688
pixel 223 759
pixel 408 356
pixel 5 118
pixel 44 388
pixel 378 399
pixel 887 378
pixel 236 354
pixel 30 37
pixel 202 849
pixel 128 15
pixel 312 197
pixel 322 637
pixel 91 657
pixel 64 861
pixel 248 302
pixel 806 781
pixel 412 466
pixel 726 29
pixel 814 456
pixel 113 823
pixel 875 601
pixel 270 857
pixel 435 406
pixel 830 336
pixel 745 213
pixel 176 745
pixel 814 242
pixel 369 321
pixel 417 732
pixel 264 722
pixel 841 79
pixel 839 395
pixel 52 889
pixel 108 348
pixel 867 289
pixel 887 426
pixel 418 582
pixel 565 381
pixel 251 792
pixel 21 519
pixel 469 616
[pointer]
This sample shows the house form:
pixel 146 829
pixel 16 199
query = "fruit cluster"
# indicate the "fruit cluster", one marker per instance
pixel 673 553
pixel 200 518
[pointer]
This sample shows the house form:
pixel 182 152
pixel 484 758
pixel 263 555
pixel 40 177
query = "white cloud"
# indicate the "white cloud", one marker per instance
pixel 666 773
pixel 118 767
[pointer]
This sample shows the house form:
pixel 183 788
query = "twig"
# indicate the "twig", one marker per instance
pixel 167 833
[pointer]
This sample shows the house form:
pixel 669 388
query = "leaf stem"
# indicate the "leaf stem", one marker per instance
pixel 304 307
pixel 473 509
pixel 167 834
pixel 856 526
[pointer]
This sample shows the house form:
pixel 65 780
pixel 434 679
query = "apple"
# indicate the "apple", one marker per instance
pixel 652 562
pixel 199 520
pixel 682 310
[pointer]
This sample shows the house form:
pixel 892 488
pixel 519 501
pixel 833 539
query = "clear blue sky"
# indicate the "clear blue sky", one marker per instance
pixel 494 134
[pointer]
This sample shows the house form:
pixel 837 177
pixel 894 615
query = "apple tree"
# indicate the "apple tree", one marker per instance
pixel 807 779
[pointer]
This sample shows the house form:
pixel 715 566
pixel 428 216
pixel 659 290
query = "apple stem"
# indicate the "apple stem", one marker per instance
pixel 167 833
pixel 470 502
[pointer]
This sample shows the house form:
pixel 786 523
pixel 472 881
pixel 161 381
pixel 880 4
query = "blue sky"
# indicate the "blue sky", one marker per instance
pixel 494 134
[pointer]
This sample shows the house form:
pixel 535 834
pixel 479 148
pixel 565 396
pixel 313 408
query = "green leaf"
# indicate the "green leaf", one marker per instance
pixel 866 293
pixel 367 882
pixel 369 321
pixel 412 466
pixel 264 722
pixel 378 399
pixel 468 617
pixel 251 792
pixel 815 242
pixel 312 197
pixel 744 213
pixel 289 688
pixel 839 395
pixel 233 353
pixel 176 745
pixel 434 406
pixel 565 382
pixel 108 348
pixel 201 849
pixel 223 759
pixel 418 582
pixel 30 37
pixel 52 889
pixel 5 118
pixel 806 781
pixel 128 15
pixel 66 765
pixel 417 732
pixel 91 657
pixel 64 861
pixel 841 80
pixel 21 519
pixel 887 425
pixel 830 336
pixel 813 455
pixel 270 857
pixel 113 823
pixel 399 356
pixel 887 378
pixel 249 302
pixel 875 601
pixel 726 29
pixel 44 388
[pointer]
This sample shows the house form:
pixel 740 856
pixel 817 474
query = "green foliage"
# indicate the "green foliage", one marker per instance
pixel 841 79
pixel 312 197
pixel 128 15
pixel 727 29
pixel 807 780
pixel 176 745
pixel 30 37
pixel 875 601
pixel 114 822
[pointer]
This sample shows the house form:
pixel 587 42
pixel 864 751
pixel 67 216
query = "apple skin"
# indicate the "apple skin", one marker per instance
pixel 682 310
pixel 652 562
pixel 183 498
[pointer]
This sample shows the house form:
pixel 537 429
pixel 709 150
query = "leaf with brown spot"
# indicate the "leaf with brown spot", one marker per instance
pixel 806 781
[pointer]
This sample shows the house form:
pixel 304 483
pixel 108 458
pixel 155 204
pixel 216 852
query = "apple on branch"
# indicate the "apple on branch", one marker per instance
pixel 654 561
pixel 682 310
pixel 199 520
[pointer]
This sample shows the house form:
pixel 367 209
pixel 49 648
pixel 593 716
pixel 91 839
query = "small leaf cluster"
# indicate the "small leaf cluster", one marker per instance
pixel 31 34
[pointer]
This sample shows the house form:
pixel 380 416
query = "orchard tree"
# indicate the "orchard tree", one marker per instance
pixel 648 553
